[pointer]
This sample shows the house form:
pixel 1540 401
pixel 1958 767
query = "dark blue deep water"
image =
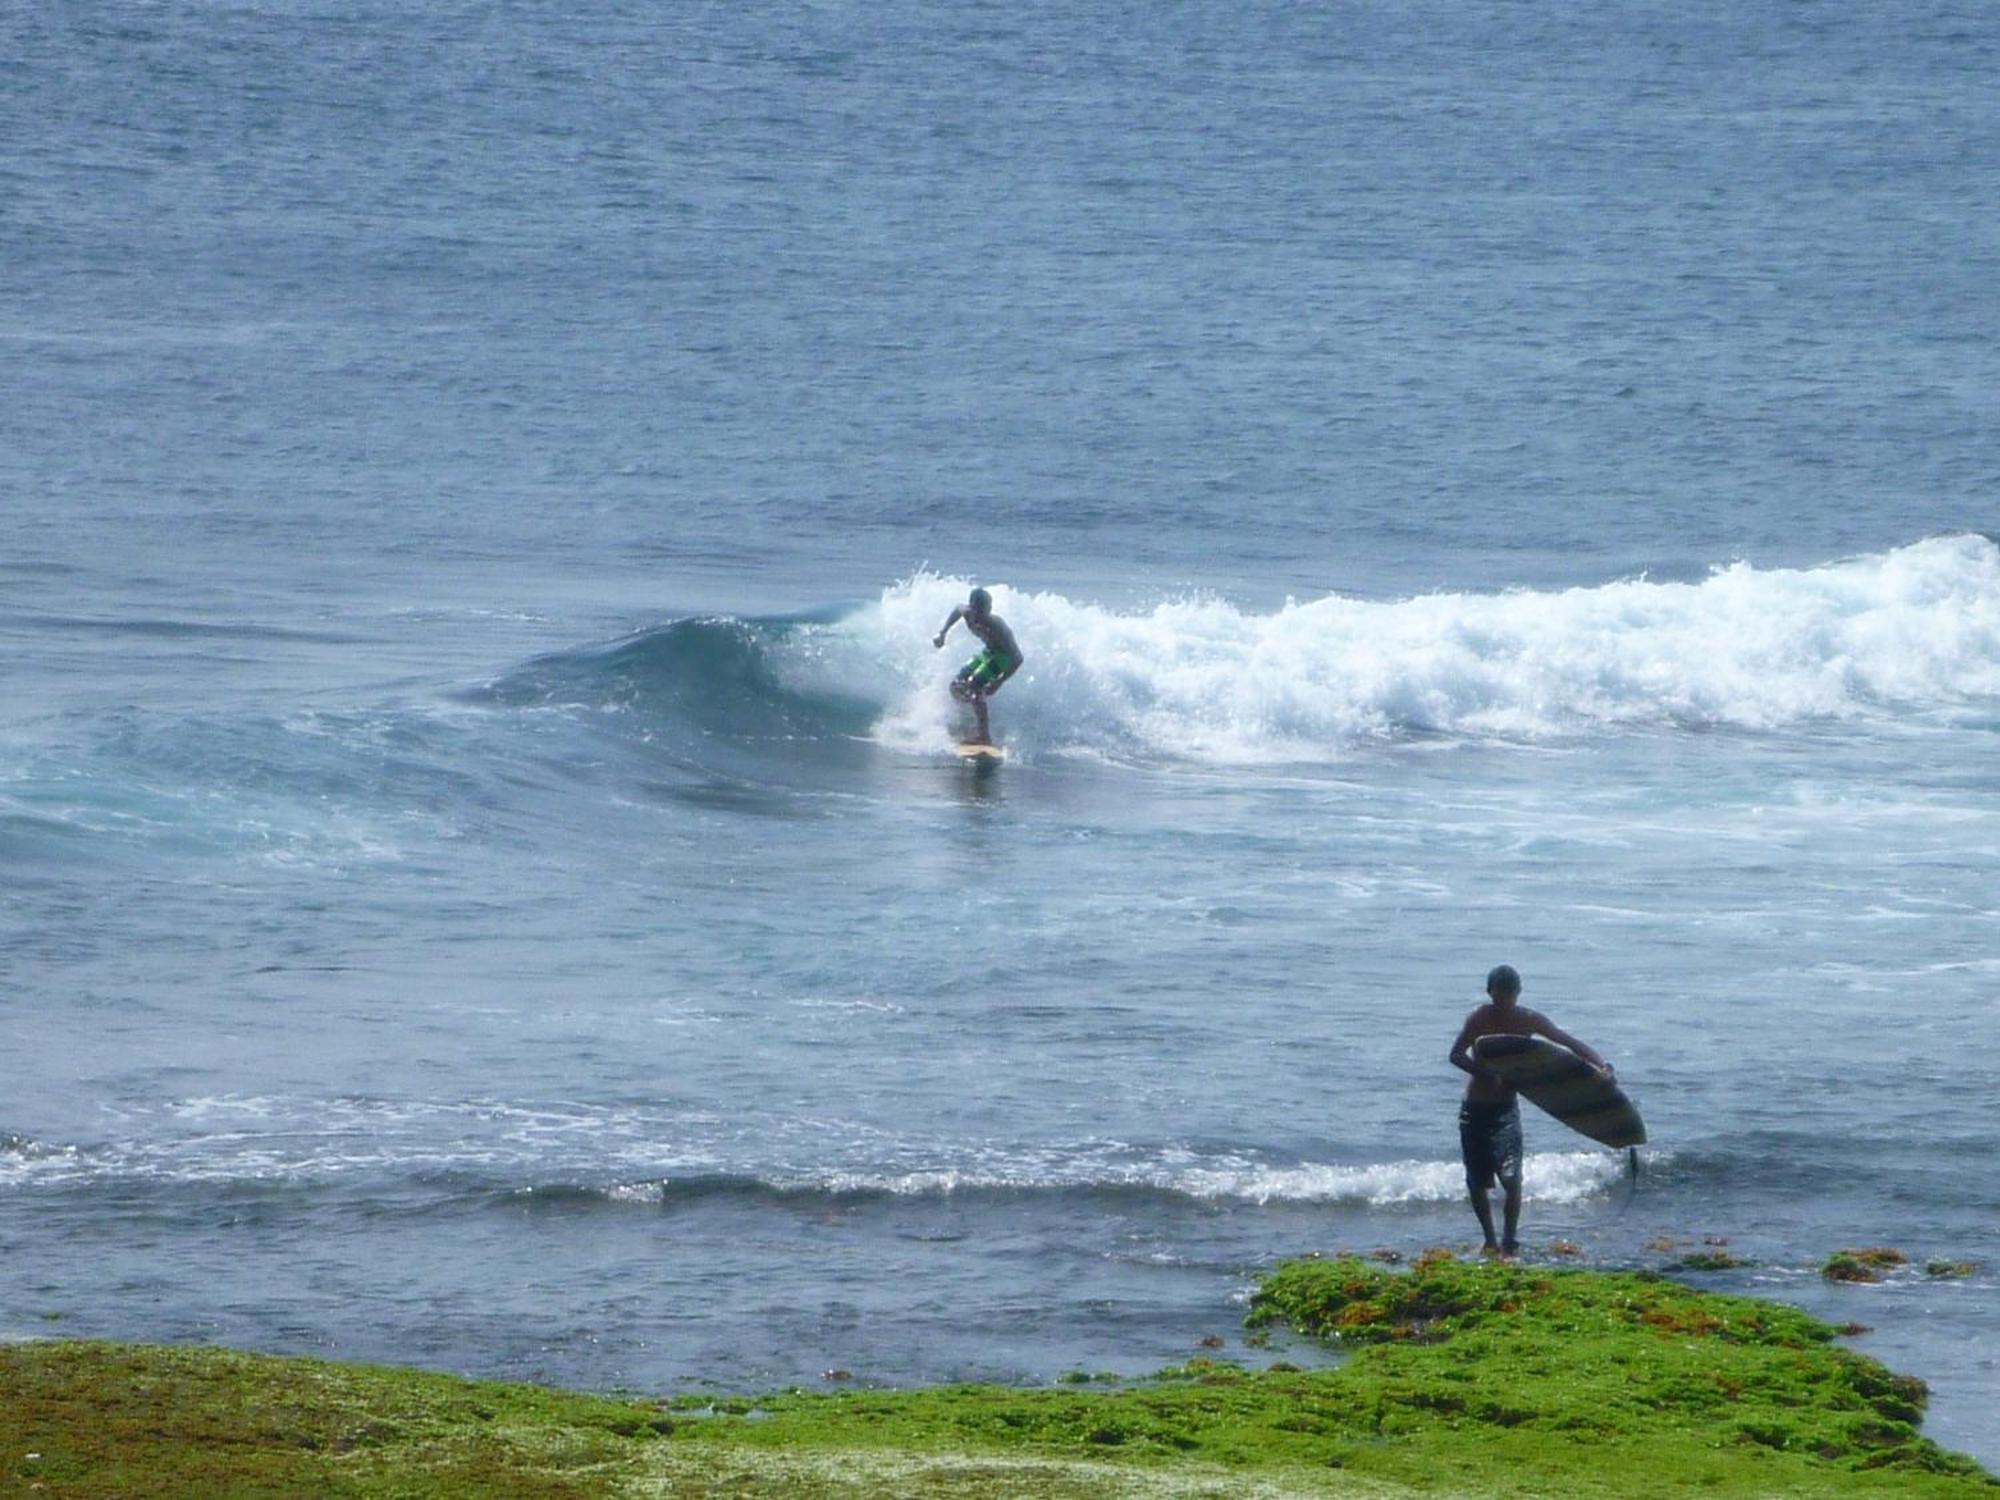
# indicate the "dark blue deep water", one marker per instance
pixel 483 880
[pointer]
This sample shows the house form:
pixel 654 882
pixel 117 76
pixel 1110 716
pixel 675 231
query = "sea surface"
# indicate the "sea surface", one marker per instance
pixel 484 882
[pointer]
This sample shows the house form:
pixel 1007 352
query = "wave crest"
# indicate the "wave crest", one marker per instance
pixel 1910 632
pixel 1916 629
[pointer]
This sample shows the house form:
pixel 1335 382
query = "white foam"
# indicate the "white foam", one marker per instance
pixel 249 1138
pixel 647 1193
pixel 1560 1177
pixel 1913 629
pixel 261 1139
pixel 1556 1177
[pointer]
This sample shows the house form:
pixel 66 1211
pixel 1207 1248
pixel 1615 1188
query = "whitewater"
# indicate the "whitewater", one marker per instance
pixel 1911 632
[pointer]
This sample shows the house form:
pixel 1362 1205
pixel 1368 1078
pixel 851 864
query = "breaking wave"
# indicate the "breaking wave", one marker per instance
pixel 1910 632
pixel 571 1154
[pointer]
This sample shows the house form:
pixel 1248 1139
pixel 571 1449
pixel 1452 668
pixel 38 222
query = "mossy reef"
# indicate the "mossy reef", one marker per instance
pixel 1464 1379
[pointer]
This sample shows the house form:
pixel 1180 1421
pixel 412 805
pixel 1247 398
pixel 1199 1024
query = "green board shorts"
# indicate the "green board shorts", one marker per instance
pixel 985 670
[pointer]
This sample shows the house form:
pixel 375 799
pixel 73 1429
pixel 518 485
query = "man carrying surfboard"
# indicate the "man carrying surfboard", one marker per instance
pixel 1489 1119
pixel 980 678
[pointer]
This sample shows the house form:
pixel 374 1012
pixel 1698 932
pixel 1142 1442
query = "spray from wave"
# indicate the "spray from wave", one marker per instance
pixel 1914 629
pixel 615 1155
pixel 1910 632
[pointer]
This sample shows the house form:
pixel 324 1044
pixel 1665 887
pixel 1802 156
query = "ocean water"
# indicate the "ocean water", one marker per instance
pixel 486 884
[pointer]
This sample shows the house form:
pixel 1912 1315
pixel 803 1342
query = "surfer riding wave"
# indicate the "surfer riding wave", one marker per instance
pixel 1000 658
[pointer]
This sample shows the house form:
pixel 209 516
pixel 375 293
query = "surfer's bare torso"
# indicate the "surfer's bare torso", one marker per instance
pixel 1494 1019
pixel 991 630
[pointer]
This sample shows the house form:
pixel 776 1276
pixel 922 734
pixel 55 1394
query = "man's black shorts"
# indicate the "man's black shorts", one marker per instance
pixel 1489 1137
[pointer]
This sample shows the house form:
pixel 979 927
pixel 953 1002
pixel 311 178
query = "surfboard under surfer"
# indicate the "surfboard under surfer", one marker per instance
pixel 1489 1118
pixel 983 676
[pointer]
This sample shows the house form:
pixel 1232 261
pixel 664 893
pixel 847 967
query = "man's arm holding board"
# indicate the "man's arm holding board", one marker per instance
pixel 1541 1025
pixel 1461 1053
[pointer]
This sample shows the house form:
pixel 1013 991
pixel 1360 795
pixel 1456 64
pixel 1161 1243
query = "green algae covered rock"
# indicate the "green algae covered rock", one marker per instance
pixel 111 1420
pixel 1623 1358
pixel 1950 1270
pixel 1862 1265
pixel 1463 1378
pixel 1460 1379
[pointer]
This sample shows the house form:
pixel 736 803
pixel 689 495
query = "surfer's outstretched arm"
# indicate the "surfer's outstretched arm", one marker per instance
pixel 957 614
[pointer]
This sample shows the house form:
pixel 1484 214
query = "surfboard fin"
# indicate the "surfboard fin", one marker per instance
pixel 1631 1177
